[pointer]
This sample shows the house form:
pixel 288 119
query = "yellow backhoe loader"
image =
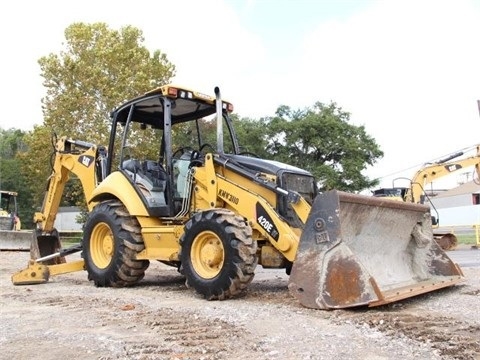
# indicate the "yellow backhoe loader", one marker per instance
pixel 9 219
pixel 171 188
pixel 12 237
pixel 417 194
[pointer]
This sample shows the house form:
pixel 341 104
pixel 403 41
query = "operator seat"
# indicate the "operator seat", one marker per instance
pixel 156 174
pixel 149 174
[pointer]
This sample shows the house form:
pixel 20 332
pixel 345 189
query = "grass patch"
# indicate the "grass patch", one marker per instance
pixel 70 239
pixel 468 239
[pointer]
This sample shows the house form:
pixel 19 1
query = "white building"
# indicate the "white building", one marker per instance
pixel 459 206
pixel 65 221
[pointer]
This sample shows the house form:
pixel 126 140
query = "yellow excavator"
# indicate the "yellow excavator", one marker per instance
pixel 173 186
pixel 417 194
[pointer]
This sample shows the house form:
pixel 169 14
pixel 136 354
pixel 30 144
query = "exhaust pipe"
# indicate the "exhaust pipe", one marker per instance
pixel 219 120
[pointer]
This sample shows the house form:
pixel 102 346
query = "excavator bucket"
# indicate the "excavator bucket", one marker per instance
pixel 359 250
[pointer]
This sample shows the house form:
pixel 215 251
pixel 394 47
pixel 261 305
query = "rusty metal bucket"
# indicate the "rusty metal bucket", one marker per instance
pixel 358 250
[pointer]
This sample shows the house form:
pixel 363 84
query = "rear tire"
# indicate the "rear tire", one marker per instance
pixel 111 240
pixel 218 255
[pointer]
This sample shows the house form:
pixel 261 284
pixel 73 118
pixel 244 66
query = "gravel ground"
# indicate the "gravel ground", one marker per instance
pixel 160 319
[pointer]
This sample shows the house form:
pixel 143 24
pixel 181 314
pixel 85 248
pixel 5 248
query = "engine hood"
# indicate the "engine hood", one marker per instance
pixel 267 166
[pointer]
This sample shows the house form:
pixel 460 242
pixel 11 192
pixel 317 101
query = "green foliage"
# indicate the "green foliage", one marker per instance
pixel 252 135
pixel 469 239
pixel 186 134
pixel 98 69
pixel 11 142
pixel 322 141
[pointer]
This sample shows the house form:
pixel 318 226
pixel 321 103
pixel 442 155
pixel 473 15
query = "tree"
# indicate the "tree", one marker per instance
pixel 251 135
pixel 98 69
pixel 322 141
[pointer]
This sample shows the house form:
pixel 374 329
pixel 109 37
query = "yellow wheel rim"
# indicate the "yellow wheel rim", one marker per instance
pixel 102 245
pixel 207 254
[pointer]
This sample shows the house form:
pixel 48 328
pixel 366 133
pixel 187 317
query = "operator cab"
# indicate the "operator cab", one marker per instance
pixel 8 210
pixel 157 137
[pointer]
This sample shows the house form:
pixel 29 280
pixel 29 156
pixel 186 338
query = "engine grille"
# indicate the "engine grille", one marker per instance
pixel 303 185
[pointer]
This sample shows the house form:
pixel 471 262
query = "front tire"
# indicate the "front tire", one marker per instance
pixel 218 255
pixel 111 240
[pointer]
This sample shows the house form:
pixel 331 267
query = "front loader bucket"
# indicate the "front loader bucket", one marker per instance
pixel 358 250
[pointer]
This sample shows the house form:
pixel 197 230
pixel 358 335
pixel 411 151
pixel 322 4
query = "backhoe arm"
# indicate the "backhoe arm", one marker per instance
pixel 84 160
pixel 87 162
pixel 77 157
pixel 436 171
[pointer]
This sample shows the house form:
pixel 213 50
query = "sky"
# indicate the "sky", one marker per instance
pixel 406 70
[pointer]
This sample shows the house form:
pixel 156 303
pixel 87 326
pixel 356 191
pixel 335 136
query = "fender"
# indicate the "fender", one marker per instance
pixel 116 185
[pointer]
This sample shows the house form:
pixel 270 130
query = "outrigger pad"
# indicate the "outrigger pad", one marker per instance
pixel 358 250
pixel 35 273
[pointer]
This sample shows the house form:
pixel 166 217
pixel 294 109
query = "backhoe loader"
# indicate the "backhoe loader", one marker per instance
pixel 12 237
pixel 9 219
pixel 173 186
pixel 426 175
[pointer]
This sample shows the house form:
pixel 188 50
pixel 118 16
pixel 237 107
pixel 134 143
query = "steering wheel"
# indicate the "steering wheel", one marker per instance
pixel 206 145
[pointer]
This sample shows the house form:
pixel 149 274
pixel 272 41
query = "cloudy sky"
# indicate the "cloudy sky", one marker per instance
pixel 408 70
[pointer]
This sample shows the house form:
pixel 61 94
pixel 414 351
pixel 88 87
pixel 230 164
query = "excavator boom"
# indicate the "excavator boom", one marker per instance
pixel 437 170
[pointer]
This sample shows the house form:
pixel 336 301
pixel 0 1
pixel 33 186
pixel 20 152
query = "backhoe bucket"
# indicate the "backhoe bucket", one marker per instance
pixel 358 250
pixel 44 244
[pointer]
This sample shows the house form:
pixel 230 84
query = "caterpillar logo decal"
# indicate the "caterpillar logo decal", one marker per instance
pixel 266 222
pixel 85 160
pixel 453 167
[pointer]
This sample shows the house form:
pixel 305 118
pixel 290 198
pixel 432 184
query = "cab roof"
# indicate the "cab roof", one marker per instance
pixel 12 193
pixel 187 105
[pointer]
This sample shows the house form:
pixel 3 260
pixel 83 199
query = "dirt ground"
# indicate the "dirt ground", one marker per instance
pixel 160 319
